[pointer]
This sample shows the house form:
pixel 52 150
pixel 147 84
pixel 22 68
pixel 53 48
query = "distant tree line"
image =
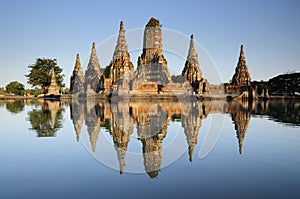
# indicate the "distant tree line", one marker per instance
pixel 17 88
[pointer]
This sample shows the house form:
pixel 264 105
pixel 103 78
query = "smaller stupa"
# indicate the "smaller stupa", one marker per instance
pixel 54 89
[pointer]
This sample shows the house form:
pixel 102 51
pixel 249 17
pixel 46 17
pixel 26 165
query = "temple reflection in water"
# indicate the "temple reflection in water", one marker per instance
pixel 151 120
pixel 147 123
pixel 240 114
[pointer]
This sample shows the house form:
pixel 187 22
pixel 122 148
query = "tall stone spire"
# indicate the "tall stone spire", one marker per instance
pixel 152 45
pixel 242 58
pixel 152 67
pixel 191 71
pixel 77 78
pixel 192 55
pixel 121 67
pixel 93 73
pixel 241 76
pixel 53 78
pixel 121 47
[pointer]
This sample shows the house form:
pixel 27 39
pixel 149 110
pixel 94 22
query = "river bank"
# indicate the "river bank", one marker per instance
pixel 68 97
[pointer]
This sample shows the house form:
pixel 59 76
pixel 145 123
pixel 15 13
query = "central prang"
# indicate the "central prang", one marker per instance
pixel 152 67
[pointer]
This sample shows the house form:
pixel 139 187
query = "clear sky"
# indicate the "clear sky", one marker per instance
pixel 269 30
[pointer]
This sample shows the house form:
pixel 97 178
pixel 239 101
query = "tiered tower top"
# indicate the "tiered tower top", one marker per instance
pixel 121 47
pixel 242 75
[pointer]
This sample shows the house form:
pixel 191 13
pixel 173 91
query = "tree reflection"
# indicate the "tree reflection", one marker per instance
pixel 285 111
pixel 48 120
pixel 15 106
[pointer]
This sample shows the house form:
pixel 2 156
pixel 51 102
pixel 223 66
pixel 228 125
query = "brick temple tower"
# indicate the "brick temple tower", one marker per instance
pixel 152 67
pixel 121 68
pixel 241 76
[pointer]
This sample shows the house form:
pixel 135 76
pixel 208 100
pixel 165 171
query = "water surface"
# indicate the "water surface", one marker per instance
pixel 100 149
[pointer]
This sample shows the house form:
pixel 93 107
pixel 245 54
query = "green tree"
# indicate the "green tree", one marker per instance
pixel 34 91
pixel 15 87
pixel 2 91
pixel 66 91
pixel 40 73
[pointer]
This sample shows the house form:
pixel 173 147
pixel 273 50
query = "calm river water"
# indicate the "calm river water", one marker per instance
pixel 139 149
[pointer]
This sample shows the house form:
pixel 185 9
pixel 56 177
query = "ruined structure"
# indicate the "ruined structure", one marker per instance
pixel 53 88
pixel 240 87
pixel 92 74
pixel 191 71
pixel 152 68
pixel 121 68
pixel 241 76
pixel 77 78
pixel 152 77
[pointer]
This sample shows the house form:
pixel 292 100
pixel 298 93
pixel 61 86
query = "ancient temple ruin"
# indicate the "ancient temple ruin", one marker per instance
pixel 152 76
pixel 121 68
pixel 240 87
pixel 92 74
pixel 77 78
pixel 191 71
pixel 152 67
pixel 241 76
pixel 54 89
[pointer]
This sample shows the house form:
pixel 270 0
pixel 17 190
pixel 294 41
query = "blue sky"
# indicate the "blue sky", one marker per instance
pixel 269 31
